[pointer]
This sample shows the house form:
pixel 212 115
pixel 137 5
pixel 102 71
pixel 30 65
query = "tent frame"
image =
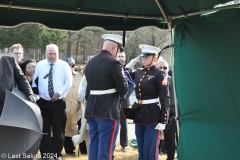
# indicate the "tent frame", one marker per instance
pixel 172 62
pixel 78 12
pixel 205 11
pixel 169 22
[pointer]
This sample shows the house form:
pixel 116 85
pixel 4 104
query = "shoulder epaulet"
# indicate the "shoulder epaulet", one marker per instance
pixel 164 82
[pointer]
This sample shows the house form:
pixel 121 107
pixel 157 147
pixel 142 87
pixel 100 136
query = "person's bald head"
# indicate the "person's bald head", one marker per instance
pixel 111 47
pixel 163 65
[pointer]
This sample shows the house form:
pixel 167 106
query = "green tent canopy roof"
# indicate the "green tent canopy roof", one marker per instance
pixel 108 14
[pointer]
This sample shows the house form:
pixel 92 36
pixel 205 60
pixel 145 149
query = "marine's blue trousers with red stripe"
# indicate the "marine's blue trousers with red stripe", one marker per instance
pixel 103 134
pixel 148 140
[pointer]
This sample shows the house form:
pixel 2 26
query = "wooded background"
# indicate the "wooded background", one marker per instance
pixel 81 45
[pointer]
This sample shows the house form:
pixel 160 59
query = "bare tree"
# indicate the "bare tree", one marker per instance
pixel 145 35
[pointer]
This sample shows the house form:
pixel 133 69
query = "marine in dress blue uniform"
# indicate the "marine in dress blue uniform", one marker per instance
pixel 150 111
pixel 106 84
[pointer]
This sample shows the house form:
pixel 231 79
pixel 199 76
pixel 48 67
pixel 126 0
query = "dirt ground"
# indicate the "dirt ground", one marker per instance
pixel 130 154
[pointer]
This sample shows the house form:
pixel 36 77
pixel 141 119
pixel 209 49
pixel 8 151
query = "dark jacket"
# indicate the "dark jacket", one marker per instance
pixel 172 102
pixel 149 86
pixel 11 76
pixel 104 72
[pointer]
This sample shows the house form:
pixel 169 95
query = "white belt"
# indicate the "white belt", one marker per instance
pixel 147 101
pixel 100 92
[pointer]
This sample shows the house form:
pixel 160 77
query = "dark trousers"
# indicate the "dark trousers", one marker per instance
pixel 68 145
pixel 123 130
pixel 148 141
pixel 170 136
pixel 170 140
pixel 82 145
pixel 54 117
pixel 168 145
pixel 123 120
pixel 103 134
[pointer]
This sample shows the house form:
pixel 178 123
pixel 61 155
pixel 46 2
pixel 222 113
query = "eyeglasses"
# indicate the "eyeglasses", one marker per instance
pixel 72 65
pixel 164 67
pixel 17 53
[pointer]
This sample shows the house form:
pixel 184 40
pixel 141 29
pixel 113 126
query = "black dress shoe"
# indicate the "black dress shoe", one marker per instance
pixel 71 154
pixel 58 158
pixel 123 149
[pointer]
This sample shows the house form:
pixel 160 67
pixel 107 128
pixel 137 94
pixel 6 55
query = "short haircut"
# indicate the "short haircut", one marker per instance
pixel 16 46
pixel 163 61
pixel 52 46
pixel 121 51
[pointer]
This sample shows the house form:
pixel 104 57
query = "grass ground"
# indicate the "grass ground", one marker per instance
pixel 130 154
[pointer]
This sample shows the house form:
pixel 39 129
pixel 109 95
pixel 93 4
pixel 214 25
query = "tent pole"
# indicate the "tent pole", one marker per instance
pixel 169 22
pixel 77 12
pixel 174 90
pixel 204 11
pixel 161 9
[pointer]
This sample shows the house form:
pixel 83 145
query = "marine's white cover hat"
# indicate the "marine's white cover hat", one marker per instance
pixel 148 50
pixel 113 37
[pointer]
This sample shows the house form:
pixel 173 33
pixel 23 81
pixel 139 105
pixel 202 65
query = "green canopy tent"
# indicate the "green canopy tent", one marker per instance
pixel 206 58
pixel 109 14
pixel 207 86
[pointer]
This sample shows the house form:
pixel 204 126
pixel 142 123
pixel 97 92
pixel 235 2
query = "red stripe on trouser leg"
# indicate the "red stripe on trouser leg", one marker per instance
pixel 156 150
pixel 112 139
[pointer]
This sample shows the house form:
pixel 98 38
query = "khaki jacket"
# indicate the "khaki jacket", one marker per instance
pixel 73 107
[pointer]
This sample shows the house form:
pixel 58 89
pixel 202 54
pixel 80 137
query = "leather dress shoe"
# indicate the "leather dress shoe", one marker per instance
pixel 123 149
pixel 71 154
pixel 58 158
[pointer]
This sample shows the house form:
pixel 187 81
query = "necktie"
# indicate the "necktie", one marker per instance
pixel 50 82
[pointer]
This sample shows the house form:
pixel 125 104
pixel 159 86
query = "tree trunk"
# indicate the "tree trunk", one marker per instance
pixel 69 44
pixel 83 53
pixel 153 41
pixel 76 51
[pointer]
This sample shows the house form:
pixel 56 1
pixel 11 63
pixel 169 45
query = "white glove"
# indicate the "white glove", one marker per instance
pixel 160 126
pixel 132 62
pixel 77 139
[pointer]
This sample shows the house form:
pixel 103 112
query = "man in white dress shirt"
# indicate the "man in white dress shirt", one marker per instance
pixel 54 82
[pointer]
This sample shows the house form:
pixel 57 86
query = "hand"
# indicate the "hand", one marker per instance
pixel 55 97
pixel 31 97
pixel 132 62
pixel 160 126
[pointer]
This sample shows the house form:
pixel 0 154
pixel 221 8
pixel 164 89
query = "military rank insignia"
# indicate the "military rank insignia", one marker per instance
pixel 164 82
